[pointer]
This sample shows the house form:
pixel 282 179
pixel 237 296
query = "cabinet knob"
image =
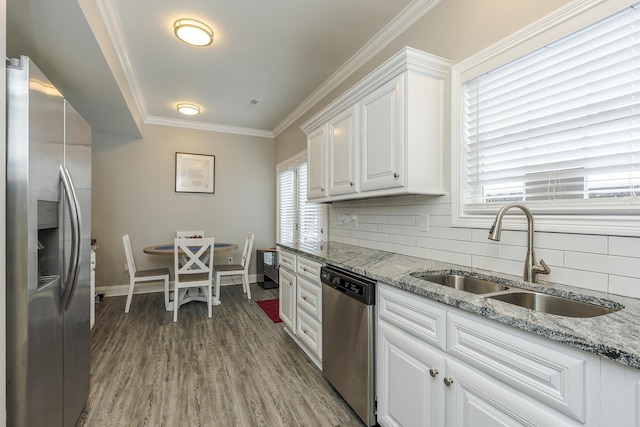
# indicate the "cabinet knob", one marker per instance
pixel 433 372
pixel 351 183
pixel 304 297
pixel 448 382
pixel 322 189
pixel 304 330
pixel 396 175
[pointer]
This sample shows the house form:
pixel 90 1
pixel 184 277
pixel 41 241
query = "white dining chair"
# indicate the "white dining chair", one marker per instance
pixel 137 276
pixel 241 270
pixel 196 272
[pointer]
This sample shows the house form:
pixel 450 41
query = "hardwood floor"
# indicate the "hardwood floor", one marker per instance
pixel 236 369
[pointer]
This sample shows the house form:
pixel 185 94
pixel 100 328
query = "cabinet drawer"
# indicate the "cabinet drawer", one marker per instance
pixel 310 298
pixel 287 260
pixel 413 314
pixel 531 365
pixel 309 330
pixel 309 269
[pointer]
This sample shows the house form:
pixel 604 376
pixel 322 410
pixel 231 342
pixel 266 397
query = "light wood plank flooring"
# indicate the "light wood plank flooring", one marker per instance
pixel 236 369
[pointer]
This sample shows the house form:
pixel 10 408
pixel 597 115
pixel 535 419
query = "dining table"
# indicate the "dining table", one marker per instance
pixel 192 294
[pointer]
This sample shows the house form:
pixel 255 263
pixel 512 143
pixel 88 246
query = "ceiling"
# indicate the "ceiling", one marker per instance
pixel 120 65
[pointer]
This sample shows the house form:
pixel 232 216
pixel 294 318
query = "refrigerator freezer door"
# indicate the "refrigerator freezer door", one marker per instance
pixel 34 152
pixel 76 318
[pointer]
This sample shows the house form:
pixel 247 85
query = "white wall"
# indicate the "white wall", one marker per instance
pixel 133 193
pixel 393 224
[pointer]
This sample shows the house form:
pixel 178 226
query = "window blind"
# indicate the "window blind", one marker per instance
pixel 286 206
pixel 561 124
pixel 299 222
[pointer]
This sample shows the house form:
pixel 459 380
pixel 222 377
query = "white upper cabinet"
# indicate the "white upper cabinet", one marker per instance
pixel 384 135
pixel 343 152
pixel 317 163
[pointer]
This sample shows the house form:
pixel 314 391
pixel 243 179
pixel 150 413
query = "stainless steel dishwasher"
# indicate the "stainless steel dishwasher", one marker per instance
pixel 348 338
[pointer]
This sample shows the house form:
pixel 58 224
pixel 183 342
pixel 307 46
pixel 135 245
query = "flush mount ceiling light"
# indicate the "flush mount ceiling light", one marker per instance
pixel 188 109
pixel 193 32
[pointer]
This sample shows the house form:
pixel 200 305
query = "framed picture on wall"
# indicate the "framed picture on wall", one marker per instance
pixel 195 173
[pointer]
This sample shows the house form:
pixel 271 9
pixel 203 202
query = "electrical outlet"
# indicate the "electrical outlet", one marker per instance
pixel 230 260
pixel 126 267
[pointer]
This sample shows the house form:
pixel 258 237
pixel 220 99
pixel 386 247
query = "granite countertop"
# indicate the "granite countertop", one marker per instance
pixel 615 336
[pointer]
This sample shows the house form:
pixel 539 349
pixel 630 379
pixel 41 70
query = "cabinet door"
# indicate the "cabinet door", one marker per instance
pixel 409 380
pixel 383 142
pixel 317 163
pixel 476 400
pixel 287 292
pixel 343 152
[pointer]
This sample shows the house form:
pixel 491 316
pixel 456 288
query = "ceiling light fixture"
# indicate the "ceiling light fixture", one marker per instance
pixel 188 109
pixel 193 32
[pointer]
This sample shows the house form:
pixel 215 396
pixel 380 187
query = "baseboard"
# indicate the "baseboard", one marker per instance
pixel 146 288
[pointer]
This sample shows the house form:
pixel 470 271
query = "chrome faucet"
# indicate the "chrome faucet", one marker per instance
pixel 531 268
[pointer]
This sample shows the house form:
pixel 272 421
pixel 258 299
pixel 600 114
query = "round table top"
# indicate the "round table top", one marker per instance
pixel 167 248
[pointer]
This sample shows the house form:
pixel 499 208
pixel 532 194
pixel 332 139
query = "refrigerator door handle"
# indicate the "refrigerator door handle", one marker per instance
pixel 74 216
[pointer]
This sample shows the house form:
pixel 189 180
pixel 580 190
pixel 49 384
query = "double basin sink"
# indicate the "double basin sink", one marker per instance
pixel 531 300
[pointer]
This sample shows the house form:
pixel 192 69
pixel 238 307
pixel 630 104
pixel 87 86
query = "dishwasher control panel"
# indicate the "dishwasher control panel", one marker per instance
pixel 359 287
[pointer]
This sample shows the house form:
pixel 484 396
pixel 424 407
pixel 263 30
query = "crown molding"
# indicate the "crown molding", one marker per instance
pixel 163 121
pixel 412 13
pixel 109 14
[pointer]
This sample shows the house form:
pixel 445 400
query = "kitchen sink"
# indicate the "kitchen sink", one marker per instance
pixel 552 304
pixel 464 283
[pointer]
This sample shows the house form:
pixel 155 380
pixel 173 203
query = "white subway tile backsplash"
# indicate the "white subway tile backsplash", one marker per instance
pixel 417 252
pixel 626 286
pixel 449 233
pixel 579 278
pixel 390 247
pixel 403 240
pixel 402 220
pixel 452 257
pixel 604 263
pixel 620 266
pixel 391 229
pixel 427 242
pixel 474 248
pixel 497 264
pixel 572 242
pixel 624 246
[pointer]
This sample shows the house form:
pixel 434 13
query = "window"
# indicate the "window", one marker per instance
pixel 299 223
pixel 557 128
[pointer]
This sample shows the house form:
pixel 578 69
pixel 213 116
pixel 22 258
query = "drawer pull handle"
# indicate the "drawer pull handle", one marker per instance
pixel 433 372
pixel 448 382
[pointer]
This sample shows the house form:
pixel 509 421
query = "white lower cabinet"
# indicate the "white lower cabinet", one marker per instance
pixel 287 293
pixel 440 366
pixel 301 302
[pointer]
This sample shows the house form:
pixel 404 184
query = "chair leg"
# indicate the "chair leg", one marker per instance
pixel 216 291
pixel 176 304
pixel 166 292
pixel 245 284
pixel 128 304
pixel 209 300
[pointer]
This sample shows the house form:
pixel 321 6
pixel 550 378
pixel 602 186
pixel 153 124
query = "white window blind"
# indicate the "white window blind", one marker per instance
pixel 286 206
pixel 299 223
pixel 559 126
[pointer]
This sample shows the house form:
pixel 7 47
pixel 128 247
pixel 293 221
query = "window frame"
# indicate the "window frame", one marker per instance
pixel 599 217
pixel 294 163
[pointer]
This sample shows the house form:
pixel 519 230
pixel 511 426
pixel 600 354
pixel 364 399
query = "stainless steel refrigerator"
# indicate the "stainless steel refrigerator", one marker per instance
pixel 48 242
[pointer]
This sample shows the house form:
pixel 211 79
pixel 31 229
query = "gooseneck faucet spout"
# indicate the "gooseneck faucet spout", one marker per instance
pixel 531 268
